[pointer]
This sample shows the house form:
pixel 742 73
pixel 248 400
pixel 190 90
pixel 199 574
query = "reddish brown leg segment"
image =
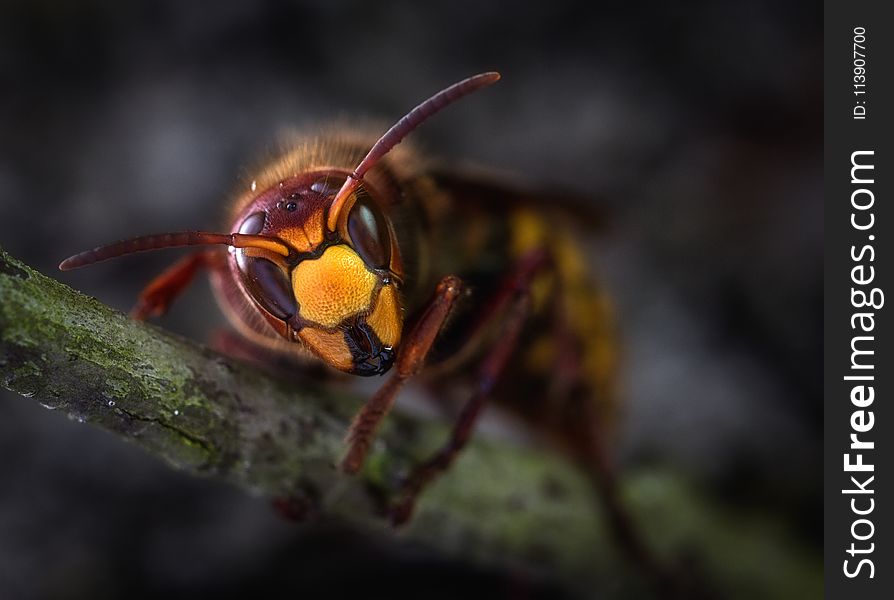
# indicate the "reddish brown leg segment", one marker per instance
pixel 409 361
pixel 514 294
pixel 156 297
pixel 490 372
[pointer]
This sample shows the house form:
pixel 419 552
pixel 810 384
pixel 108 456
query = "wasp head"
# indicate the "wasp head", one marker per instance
pixel 336 292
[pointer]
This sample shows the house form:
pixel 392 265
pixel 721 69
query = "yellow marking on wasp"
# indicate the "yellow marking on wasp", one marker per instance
pixel 329 346
pixel 257 241
pixel 529 233
pixel 586 309
pixel 570 260
pixel 385 318
pixel 333 287
pixel 307 236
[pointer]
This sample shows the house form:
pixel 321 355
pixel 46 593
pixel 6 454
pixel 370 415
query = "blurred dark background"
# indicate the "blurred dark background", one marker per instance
pixel 696 128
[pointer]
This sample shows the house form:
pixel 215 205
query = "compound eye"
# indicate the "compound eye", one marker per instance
pixel 368 234
pixel 269 285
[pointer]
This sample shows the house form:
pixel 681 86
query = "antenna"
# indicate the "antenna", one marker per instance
pixel 172 240
pixel 399 131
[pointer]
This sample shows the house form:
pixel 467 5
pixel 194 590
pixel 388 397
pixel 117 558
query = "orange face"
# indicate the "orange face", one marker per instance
pixel 336 292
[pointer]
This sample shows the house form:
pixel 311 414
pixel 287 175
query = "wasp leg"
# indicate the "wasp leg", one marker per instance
pixel 409 361
pixel 515 294
pixel 490 372
pixel 573 411
pixel 156 298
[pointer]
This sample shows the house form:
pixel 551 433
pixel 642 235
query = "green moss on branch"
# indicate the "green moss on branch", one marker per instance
pixel 208 415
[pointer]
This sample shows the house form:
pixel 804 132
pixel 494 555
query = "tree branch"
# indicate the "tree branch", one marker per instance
pixel 208 415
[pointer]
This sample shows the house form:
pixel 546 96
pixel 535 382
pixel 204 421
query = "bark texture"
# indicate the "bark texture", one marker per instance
pixel 211 416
